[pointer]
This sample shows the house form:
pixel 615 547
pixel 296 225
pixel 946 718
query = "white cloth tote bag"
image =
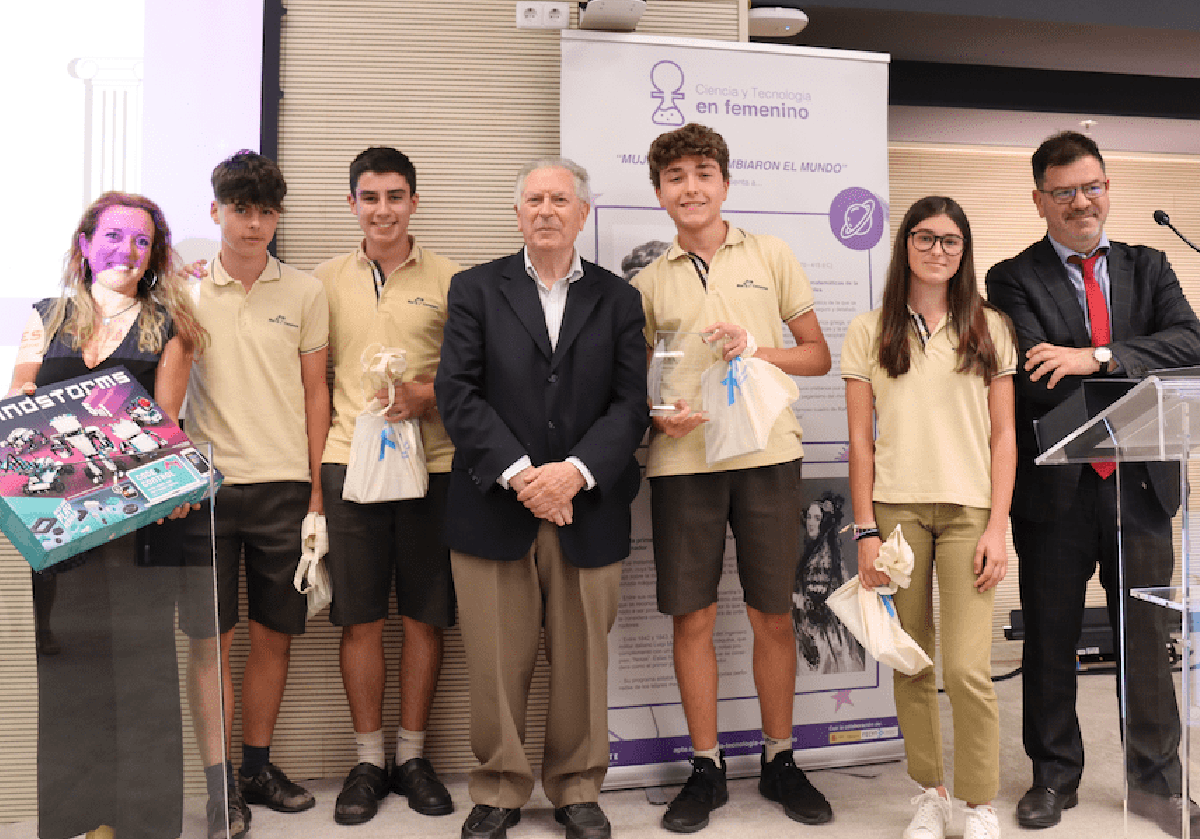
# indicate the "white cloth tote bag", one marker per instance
pixel 387 460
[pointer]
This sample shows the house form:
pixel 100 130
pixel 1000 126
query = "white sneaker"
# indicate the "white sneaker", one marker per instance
pixel 982 823
pixel 932 817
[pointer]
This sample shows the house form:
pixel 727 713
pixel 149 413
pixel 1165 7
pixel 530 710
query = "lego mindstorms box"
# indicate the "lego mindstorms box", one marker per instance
pixel 87 460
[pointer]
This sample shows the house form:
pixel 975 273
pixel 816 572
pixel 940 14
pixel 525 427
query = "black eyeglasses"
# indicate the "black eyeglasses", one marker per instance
pixel 1066 194
pixel 923 240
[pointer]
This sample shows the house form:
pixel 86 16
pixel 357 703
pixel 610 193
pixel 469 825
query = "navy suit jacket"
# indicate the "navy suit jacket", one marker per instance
pixel 503 393
pixel 1152 326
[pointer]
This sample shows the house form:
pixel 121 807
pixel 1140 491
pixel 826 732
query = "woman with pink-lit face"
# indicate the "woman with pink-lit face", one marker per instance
pixel 105 619
pixel 119 251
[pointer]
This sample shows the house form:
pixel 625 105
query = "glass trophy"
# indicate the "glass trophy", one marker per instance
pixel 678 360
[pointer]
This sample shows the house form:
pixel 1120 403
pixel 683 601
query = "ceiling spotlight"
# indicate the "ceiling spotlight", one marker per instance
pixel 776 21
pixel 611 15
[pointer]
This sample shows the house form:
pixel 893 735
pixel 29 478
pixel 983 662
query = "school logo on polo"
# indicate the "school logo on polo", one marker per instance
pixel 751 284
pixel 421 301
pixel 283 321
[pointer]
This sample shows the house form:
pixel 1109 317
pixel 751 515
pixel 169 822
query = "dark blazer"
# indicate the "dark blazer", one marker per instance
pixel 1153 326
pixel 503 393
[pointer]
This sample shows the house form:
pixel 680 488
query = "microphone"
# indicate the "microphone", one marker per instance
pixel 1165 220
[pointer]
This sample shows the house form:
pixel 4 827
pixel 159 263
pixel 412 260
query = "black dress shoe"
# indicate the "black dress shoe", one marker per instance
pixel 485 822
pixel 272 788
pixel 1165 811
pixel 364 788
pixel 416 781
pixel 584 820
pixel 1042 806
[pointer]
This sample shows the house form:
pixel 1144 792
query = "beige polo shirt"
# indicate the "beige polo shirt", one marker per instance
pixel 754 281
pixel 409 314
pixel 245 394
pixel 933 443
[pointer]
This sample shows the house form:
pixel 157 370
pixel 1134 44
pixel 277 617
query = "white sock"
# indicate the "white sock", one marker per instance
pixel 370 747
pixel 713 754
pixel 774 746
pixel 409 744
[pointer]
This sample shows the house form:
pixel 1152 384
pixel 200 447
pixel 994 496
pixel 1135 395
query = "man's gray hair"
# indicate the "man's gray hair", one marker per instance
pixel 582 189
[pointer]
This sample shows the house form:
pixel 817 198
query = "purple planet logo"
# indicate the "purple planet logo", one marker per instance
pixel 856 218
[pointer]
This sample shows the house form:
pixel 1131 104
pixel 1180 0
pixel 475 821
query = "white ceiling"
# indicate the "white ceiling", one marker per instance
pixel 1024 128
pixel 1006 42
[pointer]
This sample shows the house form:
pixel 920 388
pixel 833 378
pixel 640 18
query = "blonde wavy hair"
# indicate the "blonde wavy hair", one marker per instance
pixel 75 311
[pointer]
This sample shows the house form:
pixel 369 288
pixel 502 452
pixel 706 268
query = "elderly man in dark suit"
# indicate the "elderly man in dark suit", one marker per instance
pixel 542 387
pixel 1085 306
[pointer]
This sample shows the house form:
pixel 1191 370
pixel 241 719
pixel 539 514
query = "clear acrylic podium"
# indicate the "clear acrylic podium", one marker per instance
pixel 1157 419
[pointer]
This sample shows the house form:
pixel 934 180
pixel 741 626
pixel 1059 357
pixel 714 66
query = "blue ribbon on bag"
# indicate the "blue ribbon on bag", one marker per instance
pixel 888 604
pixel 385 441
pixel 734 378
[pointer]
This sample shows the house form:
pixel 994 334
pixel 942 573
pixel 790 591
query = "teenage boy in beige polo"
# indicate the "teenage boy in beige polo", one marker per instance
pixel 258 395
pixel 739 288
pixel 389 291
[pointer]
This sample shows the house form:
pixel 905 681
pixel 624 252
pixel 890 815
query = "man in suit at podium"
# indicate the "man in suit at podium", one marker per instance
pixel 1086 306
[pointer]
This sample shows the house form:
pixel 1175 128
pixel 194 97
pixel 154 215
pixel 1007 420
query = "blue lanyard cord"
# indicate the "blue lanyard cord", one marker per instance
pixel 734 378
pixel 887 604
pixel 385 441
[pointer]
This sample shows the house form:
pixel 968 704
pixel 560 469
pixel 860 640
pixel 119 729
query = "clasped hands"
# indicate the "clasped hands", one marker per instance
pixel 547 491
pixel 1060 362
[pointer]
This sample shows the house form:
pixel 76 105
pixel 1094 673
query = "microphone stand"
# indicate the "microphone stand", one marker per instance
pixel 1165 220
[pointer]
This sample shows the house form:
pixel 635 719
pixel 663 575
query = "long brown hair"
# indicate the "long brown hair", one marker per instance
pixel 967 309
pixel 75 310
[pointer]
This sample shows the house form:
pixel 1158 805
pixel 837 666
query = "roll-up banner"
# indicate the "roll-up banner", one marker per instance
pixel 807 132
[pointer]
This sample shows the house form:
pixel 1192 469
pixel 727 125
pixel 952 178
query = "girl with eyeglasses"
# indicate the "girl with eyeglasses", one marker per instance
pixel 933 367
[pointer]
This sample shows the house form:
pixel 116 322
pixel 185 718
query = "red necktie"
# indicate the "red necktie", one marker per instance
pixel 1098 317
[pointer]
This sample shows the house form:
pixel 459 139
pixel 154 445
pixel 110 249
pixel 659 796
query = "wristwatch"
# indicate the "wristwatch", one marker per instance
pixel 1103 355
pixel 862 531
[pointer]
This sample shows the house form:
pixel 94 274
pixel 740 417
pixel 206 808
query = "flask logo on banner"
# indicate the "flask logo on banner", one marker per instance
pixel 667 78
pixel 750 102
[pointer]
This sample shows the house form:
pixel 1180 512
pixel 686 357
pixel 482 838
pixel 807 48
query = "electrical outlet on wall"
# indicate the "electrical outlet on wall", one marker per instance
pixel 557 15
pixel 531 15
